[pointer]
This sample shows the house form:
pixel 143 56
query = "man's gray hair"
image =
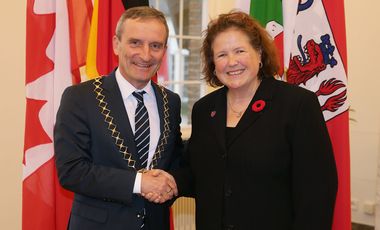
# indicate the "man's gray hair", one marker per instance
pixel 141 12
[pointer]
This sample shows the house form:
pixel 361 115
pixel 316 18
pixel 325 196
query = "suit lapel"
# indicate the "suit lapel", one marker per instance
pixel 218 117
pixel 118 112
pixel 263 94
pixel 160 106
pixel 163 106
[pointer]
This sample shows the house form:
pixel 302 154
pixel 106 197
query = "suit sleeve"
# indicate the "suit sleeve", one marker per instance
pixel 76 170
pixel 313 168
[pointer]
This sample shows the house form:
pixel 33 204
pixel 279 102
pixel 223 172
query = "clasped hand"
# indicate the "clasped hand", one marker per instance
pixel 158 186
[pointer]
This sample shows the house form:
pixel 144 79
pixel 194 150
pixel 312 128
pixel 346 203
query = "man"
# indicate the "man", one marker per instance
pixel 110 132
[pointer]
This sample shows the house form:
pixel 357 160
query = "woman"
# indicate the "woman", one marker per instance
pixel 259 154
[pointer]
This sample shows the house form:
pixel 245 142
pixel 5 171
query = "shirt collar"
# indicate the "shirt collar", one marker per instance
pixel 127 88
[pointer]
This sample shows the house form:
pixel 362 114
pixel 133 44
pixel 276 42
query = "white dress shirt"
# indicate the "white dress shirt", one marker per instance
pixel 130 104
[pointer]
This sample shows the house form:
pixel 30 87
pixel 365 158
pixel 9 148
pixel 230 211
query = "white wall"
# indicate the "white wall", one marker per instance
pixel 363 32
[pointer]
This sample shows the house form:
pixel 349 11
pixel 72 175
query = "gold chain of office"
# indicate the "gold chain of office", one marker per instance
pixel 112 127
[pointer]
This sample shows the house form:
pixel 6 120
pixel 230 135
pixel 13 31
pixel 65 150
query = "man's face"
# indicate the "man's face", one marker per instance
pixel 140 49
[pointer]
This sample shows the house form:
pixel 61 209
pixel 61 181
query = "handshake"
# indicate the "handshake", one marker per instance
pixel 158 186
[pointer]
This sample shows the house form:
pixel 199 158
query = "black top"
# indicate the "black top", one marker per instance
pixel 229 135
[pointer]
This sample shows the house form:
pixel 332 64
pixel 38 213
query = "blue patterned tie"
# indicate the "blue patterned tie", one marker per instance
pixel 142 130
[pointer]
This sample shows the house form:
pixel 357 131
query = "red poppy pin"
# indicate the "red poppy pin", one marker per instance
pixel 258 105
pixel 213 113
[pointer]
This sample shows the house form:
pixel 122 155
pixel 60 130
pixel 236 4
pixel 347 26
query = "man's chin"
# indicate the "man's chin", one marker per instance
pixel 151 74
pixel 147 77
pixel 147 73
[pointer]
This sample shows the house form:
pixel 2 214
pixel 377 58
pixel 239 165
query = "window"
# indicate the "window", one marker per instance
pixel 182 71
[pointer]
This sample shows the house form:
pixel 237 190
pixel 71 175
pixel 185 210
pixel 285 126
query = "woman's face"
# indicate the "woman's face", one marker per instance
pixel 236 61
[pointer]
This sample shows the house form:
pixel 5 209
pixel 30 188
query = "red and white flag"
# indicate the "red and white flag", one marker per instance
pixel 314 57
pixel 318 62
pixel 49 71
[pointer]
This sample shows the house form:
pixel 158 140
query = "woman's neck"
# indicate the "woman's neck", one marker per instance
pixel 242 94
pixel 238 101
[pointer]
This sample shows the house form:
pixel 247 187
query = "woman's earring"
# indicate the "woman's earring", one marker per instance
pixel 260 65
pixel 214 72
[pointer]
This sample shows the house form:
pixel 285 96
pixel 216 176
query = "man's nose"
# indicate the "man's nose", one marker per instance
pixel 146 53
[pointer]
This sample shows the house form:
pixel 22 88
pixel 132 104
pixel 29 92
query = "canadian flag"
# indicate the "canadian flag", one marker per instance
pixel 54 53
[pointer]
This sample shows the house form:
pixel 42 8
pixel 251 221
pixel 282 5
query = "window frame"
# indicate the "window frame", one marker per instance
pixel 180 84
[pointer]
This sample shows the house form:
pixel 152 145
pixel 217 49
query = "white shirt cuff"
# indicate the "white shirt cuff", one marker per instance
pixel 137 186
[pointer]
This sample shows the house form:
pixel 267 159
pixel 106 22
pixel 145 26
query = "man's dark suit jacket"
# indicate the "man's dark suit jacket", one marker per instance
pixel 276 173
pixel 90 164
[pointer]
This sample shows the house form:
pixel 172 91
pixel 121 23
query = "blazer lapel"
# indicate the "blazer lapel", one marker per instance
pixel 118 112
pixel 218 117
pixel 263 95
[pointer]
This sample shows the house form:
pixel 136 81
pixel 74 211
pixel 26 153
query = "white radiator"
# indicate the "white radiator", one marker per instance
pixel 184 214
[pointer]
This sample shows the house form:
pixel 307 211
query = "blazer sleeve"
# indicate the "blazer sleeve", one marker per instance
pixel 72 144
pixel 314 176
pixel 183 175
pixel 177 153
